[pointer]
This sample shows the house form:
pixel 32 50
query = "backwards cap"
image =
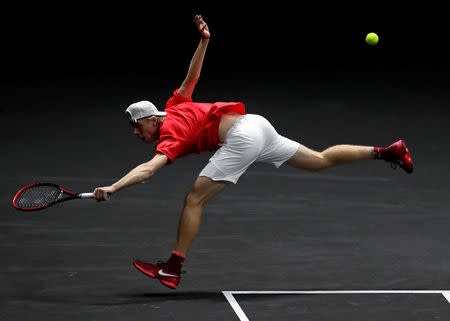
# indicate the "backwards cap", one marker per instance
pixel 143 109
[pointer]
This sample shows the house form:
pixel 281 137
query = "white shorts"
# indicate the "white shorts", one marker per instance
pixel 251 138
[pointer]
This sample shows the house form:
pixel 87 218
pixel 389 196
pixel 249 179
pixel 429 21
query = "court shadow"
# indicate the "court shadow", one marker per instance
pixel 149 297
pixel 120 298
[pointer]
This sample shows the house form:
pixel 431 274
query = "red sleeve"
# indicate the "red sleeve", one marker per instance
pixel 176 99
pixel 170 147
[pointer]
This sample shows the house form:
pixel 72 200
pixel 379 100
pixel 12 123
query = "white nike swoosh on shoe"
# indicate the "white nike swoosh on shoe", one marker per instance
pixel 160 272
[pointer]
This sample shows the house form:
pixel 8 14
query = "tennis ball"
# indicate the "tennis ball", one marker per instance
pixel 372 39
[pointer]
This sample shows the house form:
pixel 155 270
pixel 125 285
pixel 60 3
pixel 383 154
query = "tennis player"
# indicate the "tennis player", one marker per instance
pixel 238 139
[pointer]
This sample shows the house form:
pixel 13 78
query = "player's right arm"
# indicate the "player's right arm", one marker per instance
pixel 136 175
pixel 195 67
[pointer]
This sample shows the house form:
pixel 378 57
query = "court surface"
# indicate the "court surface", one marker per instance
pixel 361 227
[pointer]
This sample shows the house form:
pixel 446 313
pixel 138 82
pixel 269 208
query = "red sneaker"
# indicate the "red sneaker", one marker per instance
pixel 398 154
pixel 159 271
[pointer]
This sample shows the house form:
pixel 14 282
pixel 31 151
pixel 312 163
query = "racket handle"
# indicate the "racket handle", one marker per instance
pixel 91 195
pixel 86 195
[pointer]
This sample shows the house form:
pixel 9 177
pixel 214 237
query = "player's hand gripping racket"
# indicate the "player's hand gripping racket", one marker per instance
pixel 42 195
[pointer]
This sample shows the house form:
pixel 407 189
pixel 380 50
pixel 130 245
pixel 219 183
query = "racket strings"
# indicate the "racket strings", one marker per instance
pixel 40 195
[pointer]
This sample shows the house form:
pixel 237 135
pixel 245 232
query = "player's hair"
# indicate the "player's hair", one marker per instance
pixel 159 119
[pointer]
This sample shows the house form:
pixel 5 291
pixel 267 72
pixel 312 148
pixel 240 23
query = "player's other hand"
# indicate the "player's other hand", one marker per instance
pixel 202 27
pixel 103 193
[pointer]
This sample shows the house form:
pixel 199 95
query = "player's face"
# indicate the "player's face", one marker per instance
pixel 146 129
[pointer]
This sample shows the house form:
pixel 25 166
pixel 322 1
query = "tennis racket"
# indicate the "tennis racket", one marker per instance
pixel 42 195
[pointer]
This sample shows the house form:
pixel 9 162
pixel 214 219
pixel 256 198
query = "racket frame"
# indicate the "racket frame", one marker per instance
pixel 71 197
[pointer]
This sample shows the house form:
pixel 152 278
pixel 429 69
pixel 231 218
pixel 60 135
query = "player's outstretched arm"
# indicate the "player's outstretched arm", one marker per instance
pixel 136 175
pixel 195 67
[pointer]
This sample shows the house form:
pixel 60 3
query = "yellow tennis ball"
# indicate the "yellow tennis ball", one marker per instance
pixel 372 39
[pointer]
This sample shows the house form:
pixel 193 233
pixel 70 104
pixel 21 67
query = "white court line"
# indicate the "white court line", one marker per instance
pixel 343 292
pixel 236 307
pixel 446 295
pixel 242 317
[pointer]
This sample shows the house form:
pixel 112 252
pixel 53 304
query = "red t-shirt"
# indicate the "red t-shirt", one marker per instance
pixel 191 127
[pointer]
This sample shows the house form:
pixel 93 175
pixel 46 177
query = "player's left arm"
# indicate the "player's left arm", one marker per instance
pixel 195 67
pixel 136 175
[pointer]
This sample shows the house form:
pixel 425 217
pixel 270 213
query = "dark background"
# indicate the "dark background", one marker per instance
pixel 265 46
pixel 77 39
pixel 68 72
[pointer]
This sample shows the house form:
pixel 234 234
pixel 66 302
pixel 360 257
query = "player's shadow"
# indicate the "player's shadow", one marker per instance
pixel 123 298
pixel 149 298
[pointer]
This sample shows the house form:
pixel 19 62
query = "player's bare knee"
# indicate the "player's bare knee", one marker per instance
pixel 322 161
pixel 318 163
pixel 194 199
pixel 308 159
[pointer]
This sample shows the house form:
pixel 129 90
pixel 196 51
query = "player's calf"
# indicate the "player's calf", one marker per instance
pixel 311 160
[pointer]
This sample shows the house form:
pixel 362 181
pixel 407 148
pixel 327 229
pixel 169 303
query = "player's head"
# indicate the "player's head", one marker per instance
pixel 145 120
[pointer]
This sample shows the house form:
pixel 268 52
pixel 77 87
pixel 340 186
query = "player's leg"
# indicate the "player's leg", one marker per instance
pixel 279 150
pixel 169 272
pixel 309 159
pixel 242 147
pixel 203 190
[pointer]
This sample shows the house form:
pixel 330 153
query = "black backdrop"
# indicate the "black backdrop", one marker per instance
pixel 80 39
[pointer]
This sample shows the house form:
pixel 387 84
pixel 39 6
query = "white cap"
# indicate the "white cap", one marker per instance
pixel 143 109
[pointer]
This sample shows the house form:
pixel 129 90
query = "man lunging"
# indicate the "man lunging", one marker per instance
pixel 238 139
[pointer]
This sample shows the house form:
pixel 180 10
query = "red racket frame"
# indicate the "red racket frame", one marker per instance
pixel 44 206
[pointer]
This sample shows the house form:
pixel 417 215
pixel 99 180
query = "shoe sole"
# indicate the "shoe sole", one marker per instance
pixel 408 169
pixel 139 268
pixel 405 151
